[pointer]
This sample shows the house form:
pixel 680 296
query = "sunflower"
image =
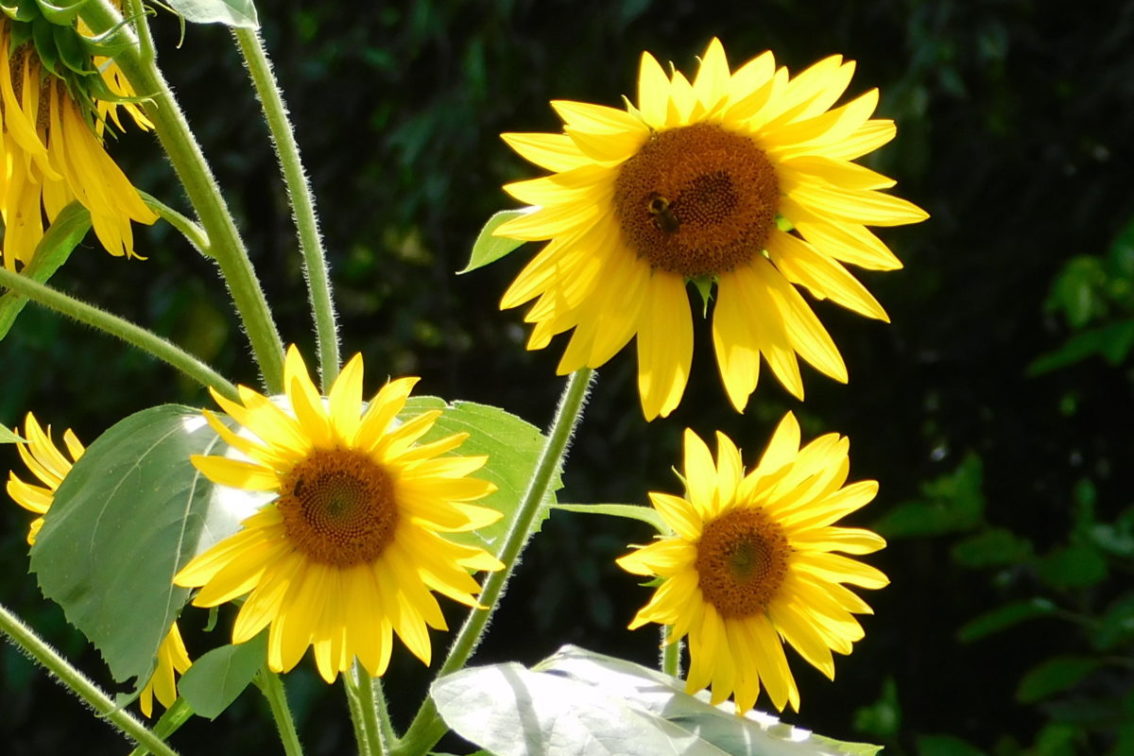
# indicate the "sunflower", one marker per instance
pixel 741 179
pixel 46 462
pixel 751 562
pixel 352 546
pixel 51 147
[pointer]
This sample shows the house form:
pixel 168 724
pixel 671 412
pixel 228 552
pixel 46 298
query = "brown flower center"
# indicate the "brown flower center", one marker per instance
pixel 338 507
pixel 742 559
pixel 697 200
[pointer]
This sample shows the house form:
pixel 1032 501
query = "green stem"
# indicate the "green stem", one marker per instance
pixel 189 162
pixel 170 722
pixel 24 637
pixel 193 233
pixel 670 653
pixel 356 718
pixel 427 727
pixel 132 334
pixel 358 683
pixel 385 725
pixel 302 203
pixel 273 690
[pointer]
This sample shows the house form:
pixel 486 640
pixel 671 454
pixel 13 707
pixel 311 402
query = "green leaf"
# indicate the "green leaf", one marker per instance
pixel 1113 342
pixel 239 13
pixel 581 702
pixel 488 248
pixel 69 228
pixel 648 515
pixel 994 547
pixel 8 436
pixel 883 718
pixel 1054 676
pixel 945 745
pixel 63 14
pixel 1072 567
pixel 949 504
pixel 1116 627
pixel 1076 290
pixel 217 678
pixel 513 446
pixel 1004 617
pixel 131 511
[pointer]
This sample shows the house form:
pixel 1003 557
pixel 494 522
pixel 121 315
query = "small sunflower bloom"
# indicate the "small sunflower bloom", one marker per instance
pixel 752 564
pixel 172 658
pixel 741 179
pixel 51 145
pixel 353 546
pixel 50 464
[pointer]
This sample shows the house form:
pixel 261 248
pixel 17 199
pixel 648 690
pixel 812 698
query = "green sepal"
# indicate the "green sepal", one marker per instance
pixel 71 52
pixel 44 38
pixel 60 15
pixel 20 34
pixel 704 287
pixel 8 436
pixel 488 248
pixel 69 228
pixel 20 10
pixel 107 44
pixel 784 224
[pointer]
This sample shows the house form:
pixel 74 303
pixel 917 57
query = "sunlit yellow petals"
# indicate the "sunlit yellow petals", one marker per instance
pixel 352 549
pixel 597 118
pixel 677 514
pixel 860 206
pixel 766 324
pixel 737 349
pixel 555 152
pixel 839 172
pixel 47 463
pixel 653 92
pixel 345 400
pixel 800 138
pixel 712 81
pixel 172 657
pixel 236 474
pixel 736 617
pixel 32 498
pixel 808 336
pixel 866 138
pixel 665 345
pixel 849 242
pixel 548 222
pixel 383 408
pixel 836 505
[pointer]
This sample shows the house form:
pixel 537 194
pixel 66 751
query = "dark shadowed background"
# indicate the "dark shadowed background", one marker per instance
pixel 995 411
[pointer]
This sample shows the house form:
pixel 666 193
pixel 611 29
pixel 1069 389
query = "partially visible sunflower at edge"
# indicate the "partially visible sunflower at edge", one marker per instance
pixel 48 463
pixel 51 148
pixel 355 544
pixel 753 563
pixel 744 179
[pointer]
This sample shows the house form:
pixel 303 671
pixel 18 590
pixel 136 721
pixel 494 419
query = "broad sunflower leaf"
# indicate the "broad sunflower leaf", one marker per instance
pixel 69 228
pixel 488 248
pixel 219 676
pixel 513 446
pixel 239 13
pixel 8 436
pixel 131 511
pixel 581 702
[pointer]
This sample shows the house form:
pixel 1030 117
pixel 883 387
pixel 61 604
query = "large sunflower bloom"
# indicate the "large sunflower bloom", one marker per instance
pixel 352 547
pixel 52 154
pixel 740 178
pixel 48 463
pixel 752 562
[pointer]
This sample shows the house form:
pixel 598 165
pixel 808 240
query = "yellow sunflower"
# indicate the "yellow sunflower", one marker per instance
pixel 46 462
pixel 352 547
pixel 752 562
pixel 744 179
pixel 51 153
pixel 171 657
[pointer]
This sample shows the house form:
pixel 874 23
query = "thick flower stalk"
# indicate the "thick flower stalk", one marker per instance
pixel 50 465
pixel 740 179
pixel 54 111
pixel 753 563
pixel 353 546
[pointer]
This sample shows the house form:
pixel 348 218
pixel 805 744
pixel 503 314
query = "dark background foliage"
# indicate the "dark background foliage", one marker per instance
pixel 995 410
